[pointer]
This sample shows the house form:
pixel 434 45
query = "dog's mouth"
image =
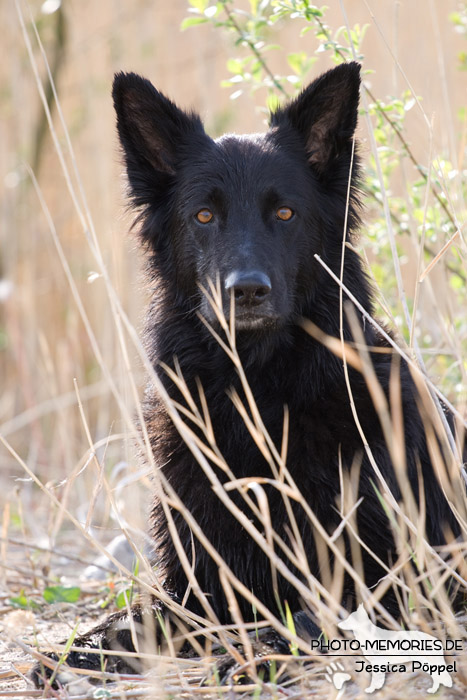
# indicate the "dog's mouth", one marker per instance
pixel 246 319
pixel 255 321
pixel 247 322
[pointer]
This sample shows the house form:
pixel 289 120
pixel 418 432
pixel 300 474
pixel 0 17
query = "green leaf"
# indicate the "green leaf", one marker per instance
pixel 235 65
pixel 23 602
pixel 61 594
pixel 102 693
pixel 199 5
pixel 291 627
pixel 272 102
pixel 124 598
pixel 256 70
pixel 63 656
pixel 192 21
pixel 296 61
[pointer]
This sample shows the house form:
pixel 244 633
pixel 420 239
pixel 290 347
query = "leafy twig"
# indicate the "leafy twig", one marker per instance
pixel 233 22
pixel 395 129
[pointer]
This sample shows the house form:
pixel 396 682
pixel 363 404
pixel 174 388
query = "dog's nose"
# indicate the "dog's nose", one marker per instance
pixel 249 288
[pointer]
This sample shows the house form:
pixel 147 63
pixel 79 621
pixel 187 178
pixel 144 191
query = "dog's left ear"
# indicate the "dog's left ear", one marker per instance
pixel 325 115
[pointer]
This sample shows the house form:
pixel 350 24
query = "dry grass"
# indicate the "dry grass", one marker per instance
pixel 73 367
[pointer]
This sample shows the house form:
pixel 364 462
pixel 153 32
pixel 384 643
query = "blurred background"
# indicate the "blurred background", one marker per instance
pixel 57 354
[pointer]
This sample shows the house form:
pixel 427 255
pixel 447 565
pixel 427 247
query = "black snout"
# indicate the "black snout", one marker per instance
pixel 249 288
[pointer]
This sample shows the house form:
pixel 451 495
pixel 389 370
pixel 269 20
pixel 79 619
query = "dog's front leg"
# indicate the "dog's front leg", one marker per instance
pixel 114 646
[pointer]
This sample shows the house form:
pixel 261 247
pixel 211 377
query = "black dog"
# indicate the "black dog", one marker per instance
pixel 249 213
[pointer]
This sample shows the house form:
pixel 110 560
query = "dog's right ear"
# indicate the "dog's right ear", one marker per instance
pixel 152 131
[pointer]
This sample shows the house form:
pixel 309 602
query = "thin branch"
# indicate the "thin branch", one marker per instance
pixel 253 49
pixel 396 130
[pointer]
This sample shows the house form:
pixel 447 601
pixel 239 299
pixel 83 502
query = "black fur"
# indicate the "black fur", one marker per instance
pixel 303 162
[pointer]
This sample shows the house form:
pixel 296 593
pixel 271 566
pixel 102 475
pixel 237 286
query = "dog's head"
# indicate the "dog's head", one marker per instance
pixel 242 215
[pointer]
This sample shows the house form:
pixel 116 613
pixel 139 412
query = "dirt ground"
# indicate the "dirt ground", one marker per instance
pixel 44 625
pixel 15 664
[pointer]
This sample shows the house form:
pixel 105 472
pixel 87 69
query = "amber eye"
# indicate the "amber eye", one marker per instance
pixel 204 216
pixel 284 213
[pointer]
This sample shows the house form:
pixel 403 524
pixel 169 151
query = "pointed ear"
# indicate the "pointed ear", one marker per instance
pixel 152 131
pixel 325 114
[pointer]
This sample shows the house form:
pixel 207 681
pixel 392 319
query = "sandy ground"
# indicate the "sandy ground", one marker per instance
pixel 15 664
pixel 48 624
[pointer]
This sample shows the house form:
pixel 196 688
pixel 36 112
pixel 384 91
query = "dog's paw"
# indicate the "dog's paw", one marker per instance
pixel 56 671
pixel 228 671
pixel 74 684
pixel 41 673
pixel 263 667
